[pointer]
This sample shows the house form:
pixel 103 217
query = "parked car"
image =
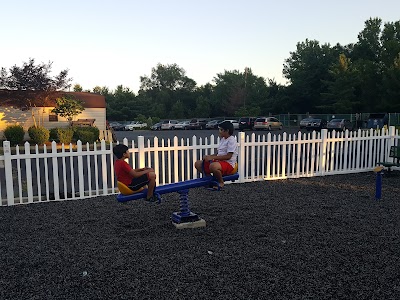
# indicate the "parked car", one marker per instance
pixel 169 124
pixel 135 125
pixel 246 123
pixel 339 124
pixel 304 122
pixel 197 124
pixel 212 124
pixel 182 125
pixel 156 126
pixel 269 123
pixel 316 124
pixel 116 126
pixel 235 123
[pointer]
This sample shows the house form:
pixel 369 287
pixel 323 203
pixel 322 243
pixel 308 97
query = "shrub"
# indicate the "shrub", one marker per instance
pixel 86 134
pixel 39 135
pixel 14 134
pixel 65 135
pixel 54 135
pixel 62 135
pixel 85 137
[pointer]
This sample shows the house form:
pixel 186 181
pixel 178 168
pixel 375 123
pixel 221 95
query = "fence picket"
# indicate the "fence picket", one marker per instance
pixel 28 172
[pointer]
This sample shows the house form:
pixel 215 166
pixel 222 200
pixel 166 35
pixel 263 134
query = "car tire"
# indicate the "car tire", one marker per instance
pixel 280 127
pixel 269 128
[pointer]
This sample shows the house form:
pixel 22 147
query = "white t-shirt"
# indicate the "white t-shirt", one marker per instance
pixel 226 146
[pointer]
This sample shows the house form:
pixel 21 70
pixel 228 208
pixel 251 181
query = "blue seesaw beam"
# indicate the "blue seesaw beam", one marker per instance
pixel 176 187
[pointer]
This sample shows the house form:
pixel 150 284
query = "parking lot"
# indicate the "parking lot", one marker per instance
pixel 170 134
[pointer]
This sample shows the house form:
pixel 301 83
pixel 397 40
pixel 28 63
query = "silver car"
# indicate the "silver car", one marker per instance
pixel 267 123
pixel 169 124
pixel 339 124
pixel 304 122
pixel 235 123
pixel 182 125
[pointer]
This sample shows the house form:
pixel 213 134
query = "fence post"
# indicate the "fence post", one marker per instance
pixel 104 167
pixel 241 158
pixel 322 152
pixel 54 161
pixel 141 151
pixel 8 172
pixel 392 133
pixel 80 170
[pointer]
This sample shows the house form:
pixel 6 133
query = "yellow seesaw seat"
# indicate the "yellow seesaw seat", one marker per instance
pixel 235 169
pixel 125 190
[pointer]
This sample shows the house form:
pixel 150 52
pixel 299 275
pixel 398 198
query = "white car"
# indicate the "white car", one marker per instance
pixel 169 124
pixel 135 125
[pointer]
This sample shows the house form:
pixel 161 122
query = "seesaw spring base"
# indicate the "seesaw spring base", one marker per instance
pixel 185 218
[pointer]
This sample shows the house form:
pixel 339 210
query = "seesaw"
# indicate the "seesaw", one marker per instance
pixel 184 218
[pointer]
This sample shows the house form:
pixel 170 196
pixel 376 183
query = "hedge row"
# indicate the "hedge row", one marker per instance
pixel 40 135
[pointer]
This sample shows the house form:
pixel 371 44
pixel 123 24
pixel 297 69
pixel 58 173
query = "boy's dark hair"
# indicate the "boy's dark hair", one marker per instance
pixel 227 126
pixel 119 150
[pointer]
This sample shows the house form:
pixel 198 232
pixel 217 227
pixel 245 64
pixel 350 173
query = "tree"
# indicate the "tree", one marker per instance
pixel 121 104
pixel 238 92
pixel 177 110
pixel 166 87
pixel 35 80
pixel 306 68
pixel 167 77
pixel 68 107
pixel 33 84
pixel 97 89
pixel 77 88
pixel 228 92
pixel 202 107
pixel 391 86
pixel 341 96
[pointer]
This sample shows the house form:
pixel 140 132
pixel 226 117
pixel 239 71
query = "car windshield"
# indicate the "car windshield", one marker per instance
pixel 316 120
pixel 260 120
pixel 336 120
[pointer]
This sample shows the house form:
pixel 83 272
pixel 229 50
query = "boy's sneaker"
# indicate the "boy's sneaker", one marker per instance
pixel 152 199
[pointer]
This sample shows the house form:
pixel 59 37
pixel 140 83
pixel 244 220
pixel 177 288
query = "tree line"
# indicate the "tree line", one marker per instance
pixel 353 78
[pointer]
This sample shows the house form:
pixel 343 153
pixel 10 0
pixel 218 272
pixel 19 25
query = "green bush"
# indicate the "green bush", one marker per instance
pixel 39 135
pixel 62 135
pixel 86 134
pixel 86 137
pixel 14 134
pixel 54 135
pixel 65 135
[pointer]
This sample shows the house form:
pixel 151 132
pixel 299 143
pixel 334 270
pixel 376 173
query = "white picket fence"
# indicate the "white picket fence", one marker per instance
pixel 33 174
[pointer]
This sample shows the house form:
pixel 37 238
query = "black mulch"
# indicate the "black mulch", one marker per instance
pixel 310 238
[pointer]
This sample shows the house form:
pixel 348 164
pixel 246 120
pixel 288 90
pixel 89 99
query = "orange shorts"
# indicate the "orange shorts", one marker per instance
pixel 226 167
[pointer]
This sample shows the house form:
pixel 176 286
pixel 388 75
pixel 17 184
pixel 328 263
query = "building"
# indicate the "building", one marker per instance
pixel 11 114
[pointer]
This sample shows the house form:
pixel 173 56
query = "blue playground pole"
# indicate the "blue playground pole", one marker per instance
pixel 378 185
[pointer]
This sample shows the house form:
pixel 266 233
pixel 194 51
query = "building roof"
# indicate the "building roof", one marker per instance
pixel 89 100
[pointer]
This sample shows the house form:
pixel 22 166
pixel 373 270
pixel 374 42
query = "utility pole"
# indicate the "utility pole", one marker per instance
pixel 246 69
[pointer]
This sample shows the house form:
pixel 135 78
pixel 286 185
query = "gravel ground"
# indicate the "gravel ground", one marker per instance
pixel 312 238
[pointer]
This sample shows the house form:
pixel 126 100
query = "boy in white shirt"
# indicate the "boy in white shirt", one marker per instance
pixel 223 162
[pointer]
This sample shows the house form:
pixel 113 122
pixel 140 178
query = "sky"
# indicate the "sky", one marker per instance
pixel 111 43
